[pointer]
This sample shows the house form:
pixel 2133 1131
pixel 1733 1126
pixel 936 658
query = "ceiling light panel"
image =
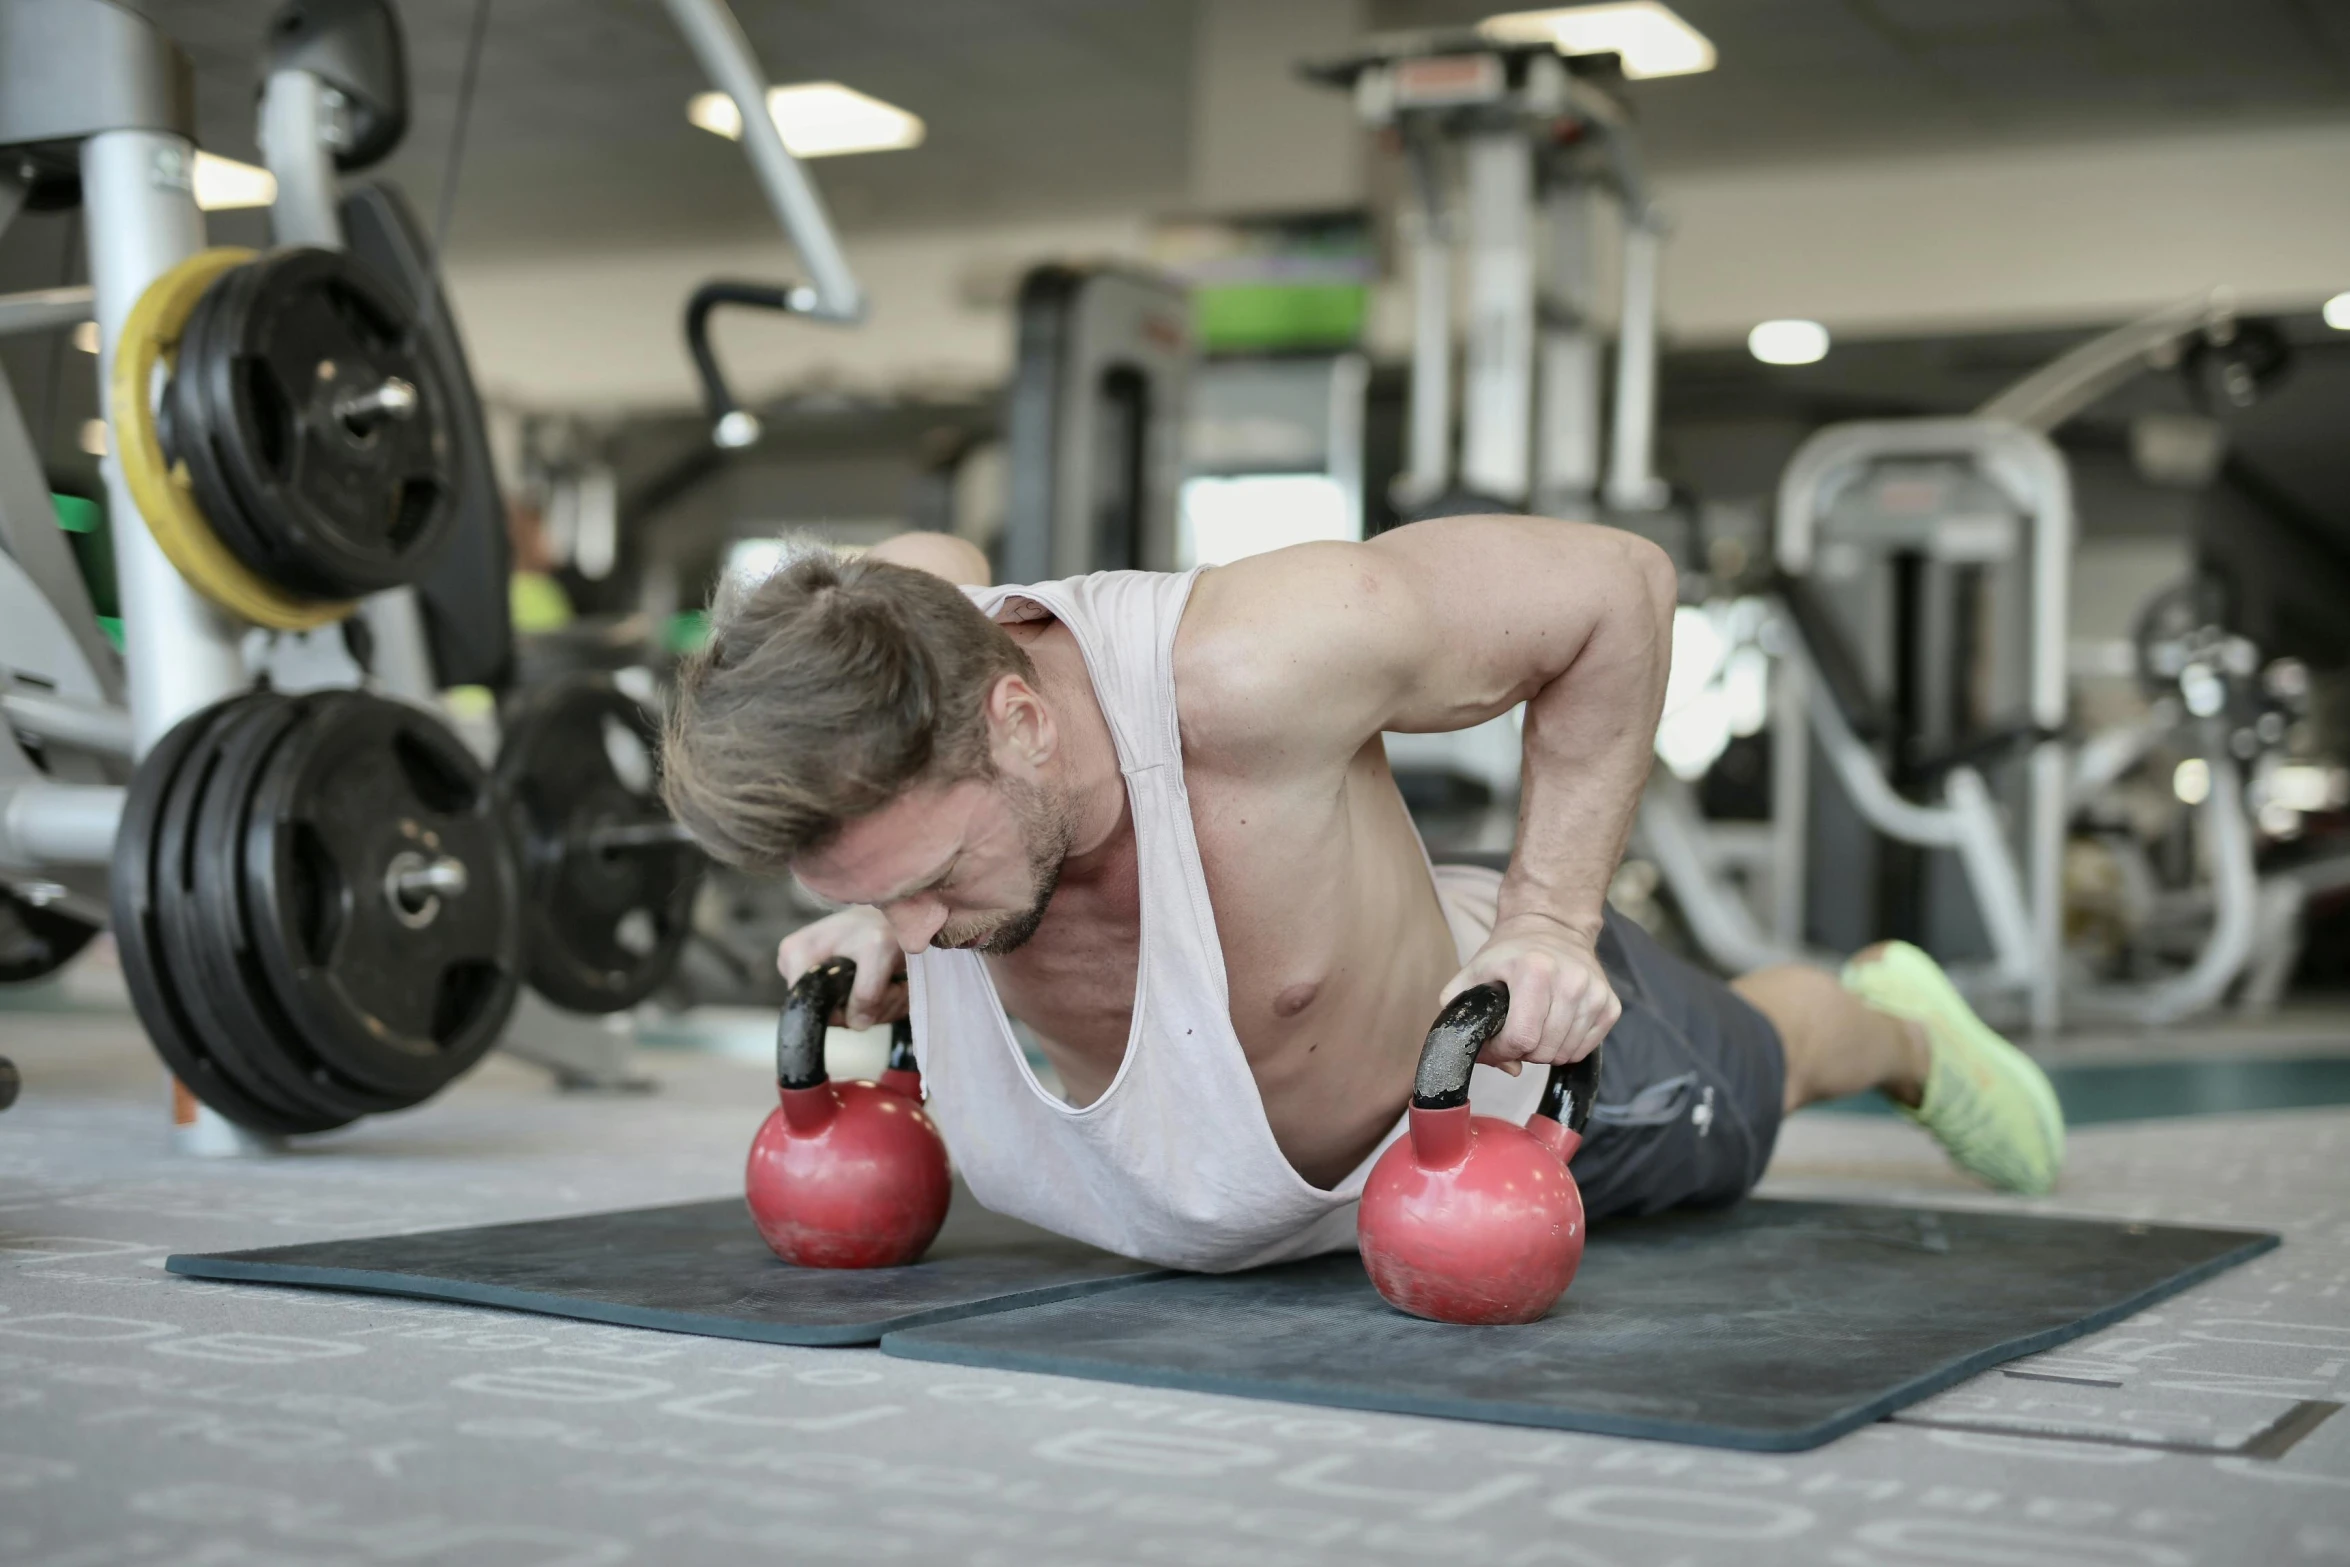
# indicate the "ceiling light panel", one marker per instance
pixel 1788 342
pixel 224 183
pixel 816 120
pixel 1645 35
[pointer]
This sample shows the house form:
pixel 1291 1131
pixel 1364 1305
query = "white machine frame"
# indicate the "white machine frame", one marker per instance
pixel 1531 401
pixel 2013 869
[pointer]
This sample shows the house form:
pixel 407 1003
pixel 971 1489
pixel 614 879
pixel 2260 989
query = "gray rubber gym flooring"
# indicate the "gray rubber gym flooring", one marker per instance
pixel 145 1418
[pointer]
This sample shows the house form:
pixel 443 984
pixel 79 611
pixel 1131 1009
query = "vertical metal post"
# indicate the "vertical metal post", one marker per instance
pixel 399 657
pixel 298 132
pixel 1428 461
pixel 1497 391
pixel 1342 448
pixel 1632 484
pixel 1790 795
pixel 1567 407
pixel 180 651
pixel 2044 868
pixel 2049 813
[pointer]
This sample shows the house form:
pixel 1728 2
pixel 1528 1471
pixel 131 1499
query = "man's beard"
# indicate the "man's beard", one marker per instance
pixel 1047 831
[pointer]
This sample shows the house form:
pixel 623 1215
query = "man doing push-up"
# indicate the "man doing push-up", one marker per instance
pixel 1150 816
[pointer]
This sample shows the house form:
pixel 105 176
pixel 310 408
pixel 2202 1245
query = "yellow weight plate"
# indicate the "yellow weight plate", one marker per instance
pixel 150 334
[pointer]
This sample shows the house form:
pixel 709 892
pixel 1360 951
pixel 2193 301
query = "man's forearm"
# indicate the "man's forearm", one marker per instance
pixel 1589 735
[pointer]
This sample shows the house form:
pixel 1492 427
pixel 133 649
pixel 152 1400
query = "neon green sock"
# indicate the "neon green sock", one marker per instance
pixel 1987 1103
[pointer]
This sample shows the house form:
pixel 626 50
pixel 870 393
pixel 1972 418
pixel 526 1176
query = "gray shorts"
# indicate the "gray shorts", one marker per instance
pixel 1690 1080
pixel 1691 1086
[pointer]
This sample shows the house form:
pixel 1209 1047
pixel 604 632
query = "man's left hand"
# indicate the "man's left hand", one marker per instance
pixel 1561 1004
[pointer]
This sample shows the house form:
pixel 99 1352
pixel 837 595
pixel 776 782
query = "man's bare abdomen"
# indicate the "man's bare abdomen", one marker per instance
pixel 1334 951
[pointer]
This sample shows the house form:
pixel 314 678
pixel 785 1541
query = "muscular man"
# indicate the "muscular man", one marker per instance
pixel 1150 817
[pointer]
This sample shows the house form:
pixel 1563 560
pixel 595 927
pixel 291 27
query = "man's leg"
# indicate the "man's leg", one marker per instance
pixel 1836 1044
pixel 1895 1023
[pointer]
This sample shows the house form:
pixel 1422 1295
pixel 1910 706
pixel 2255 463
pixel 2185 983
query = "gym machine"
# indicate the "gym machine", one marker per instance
pixel 1515 155
pixel 1918 637
pixel 326 904
pixel 1513 149
pixel 1094 423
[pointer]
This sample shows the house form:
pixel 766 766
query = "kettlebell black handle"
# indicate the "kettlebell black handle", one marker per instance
pixel 901 1047
pixel 1571 1091
pixel 1462 1028
pixel 799 1033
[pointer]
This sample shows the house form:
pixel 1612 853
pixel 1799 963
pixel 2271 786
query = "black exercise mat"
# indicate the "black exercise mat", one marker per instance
pixel 695 1268
pixel 1772 1326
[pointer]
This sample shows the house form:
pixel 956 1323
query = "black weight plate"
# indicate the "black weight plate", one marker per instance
pixel 197 397
pixel 352 510
pixel 36 942
pixel 252 1064
pixel 601 928
pixel 154 993
pixel 206 933
pixel 256 537
pixel 208 363
pixel 396 999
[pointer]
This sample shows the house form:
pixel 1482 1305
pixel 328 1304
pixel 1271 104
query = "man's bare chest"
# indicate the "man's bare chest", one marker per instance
pixel 1320 906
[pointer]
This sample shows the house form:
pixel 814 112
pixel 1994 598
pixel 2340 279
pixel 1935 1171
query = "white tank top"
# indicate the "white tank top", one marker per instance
pixel 1174 1163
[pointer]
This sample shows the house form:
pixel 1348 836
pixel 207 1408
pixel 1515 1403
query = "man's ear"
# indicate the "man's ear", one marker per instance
pixel 1021 732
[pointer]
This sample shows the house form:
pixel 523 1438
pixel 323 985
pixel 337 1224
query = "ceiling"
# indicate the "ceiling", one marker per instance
pixel 1052 107
pixel 579 137
pixel 1845 78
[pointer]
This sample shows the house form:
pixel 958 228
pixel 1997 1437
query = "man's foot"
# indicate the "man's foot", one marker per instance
pixel 1986 1102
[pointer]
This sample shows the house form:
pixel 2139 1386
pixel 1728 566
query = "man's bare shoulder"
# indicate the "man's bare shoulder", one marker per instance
pixel 941 554
pixel 1292 653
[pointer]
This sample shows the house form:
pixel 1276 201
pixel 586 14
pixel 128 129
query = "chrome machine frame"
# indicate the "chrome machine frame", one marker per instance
pixel 91 89
pixel 2014 870
pixel 2019 895
pixel 1539 144
pixel 102 82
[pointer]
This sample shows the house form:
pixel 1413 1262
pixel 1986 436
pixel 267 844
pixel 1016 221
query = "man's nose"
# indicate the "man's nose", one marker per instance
pixel 914 921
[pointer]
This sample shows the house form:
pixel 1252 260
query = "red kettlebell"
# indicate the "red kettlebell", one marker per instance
pixel 843 1175
pixel 1467 1218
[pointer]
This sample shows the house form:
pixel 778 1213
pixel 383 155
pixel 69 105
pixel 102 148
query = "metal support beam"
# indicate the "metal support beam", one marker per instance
pixel 44 825
pixel 181 651
pixel 1497 390
pixel 1567 407
pixel 1428 458
pixel 299 130
pixel 44 309
pixel 1632 484
pixel 400 658
pixel 60 721
pixel 717 41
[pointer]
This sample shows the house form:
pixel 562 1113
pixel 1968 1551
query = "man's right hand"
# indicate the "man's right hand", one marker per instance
pixel 862 936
